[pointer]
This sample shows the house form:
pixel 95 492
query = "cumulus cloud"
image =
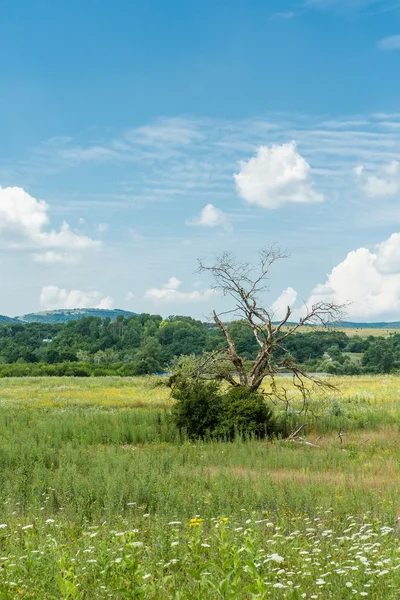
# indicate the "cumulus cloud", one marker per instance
pixel 210 216
pixel 370 280
pixel 170 292
pixel 130 296
pixel 384 183
pixel 287 298
pixel 53 297
pixel 275 176
pixel 24 222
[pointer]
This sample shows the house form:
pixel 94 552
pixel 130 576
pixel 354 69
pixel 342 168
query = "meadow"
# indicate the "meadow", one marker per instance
pixel 101 497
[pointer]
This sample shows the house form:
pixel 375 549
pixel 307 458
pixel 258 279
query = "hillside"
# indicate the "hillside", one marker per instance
pixel 65 315
pixel 352 325
pixel 4 319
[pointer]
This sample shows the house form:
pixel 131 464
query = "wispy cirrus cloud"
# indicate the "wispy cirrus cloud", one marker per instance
pixel 389 44
pixel 352 5
pixel 188 159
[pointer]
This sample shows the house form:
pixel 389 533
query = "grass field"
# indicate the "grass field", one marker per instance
pixel 352 331
pixel 101 498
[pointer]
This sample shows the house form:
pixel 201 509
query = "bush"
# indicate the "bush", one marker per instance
pixel 198 408
pixel 246 414
pixel 203 410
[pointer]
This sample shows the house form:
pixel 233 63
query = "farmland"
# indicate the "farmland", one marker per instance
pixel 102 498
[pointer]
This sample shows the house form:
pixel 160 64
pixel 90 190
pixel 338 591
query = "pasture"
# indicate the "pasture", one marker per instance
pixel 101 497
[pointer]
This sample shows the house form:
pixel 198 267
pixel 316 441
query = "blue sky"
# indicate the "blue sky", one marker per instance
pixel 136 137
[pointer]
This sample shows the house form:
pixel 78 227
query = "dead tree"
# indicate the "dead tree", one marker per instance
pixel 245 283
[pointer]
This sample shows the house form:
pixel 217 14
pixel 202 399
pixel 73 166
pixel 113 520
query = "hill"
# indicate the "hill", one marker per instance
pixel 4 319
pixel 352 325
pixel 65 315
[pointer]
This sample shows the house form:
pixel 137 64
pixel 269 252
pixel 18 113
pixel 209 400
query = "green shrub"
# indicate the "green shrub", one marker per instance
pixel 198 406
pixel 246 414
pixel 203 410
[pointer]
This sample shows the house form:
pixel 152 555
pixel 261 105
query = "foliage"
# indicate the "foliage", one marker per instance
pixel 199 408
pixel 204 410
pixel 145 343
pixel 246 414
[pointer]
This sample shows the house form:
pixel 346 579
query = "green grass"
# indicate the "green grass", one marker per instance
pixel 100 497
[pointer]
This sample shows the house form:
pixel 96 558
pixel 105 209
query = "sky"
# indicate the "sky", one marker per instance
pixel 137 137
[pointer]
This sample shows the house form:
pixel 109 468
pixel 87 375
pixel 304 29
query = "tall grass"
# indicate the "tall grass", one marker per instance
pixel 101 497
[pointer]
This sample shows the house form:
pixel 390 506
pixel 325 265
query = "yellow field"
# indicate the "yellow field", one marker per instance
pixel 146 392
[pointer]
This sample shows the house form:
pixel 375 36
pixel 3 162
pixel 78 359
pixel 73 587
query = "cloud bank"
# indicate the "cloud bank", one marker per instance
pixel 53 297
pixel 23 223
pixel 369 280
pixel 170 292
pixel 384 182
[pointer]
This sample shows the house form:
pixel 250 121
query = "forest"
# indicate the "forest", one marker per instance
pixel 145 344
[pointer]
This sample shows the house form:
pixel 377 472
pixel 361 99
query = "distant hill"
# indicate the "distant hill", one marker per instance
pixel 4 319
pixel 352 325
pixel 65 315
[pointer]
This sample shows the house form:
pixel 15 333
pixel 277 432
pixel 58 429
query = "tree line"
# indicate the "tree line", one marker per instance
pixel 145 344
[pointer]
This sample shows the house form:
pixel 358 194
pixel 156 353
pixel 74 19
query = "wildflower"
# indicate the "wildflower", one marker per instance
pixel 175 544
pixel 175 523
pixel 276 558
pixel 27 527
pixel 279 585
pixel 48 521
pixel 3 525
pixel 224 519
pixel 146 576
pixel 195 522
pixel 205 545
pixel 349 584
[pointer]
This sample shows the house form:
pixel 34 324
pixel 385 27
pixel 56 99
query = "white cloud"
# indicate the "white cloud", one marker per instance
pixel 277 175
pixel 287 298
pixel 53 297
pixel 130 296
pixel 21 213
pixel 389 43
pixel 23 222
pixel 52 257
pixel 348 4
pixel 210 216
pixel 386 182
pixel 173 283
pixel 102 227
pixel 284 16
pixel 170 293
pixel 369 280
pixel 175 131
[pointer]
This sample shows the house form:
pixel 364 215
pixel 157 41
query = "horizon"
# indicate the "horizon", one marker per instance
pixel 140 138
pixel 339 324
